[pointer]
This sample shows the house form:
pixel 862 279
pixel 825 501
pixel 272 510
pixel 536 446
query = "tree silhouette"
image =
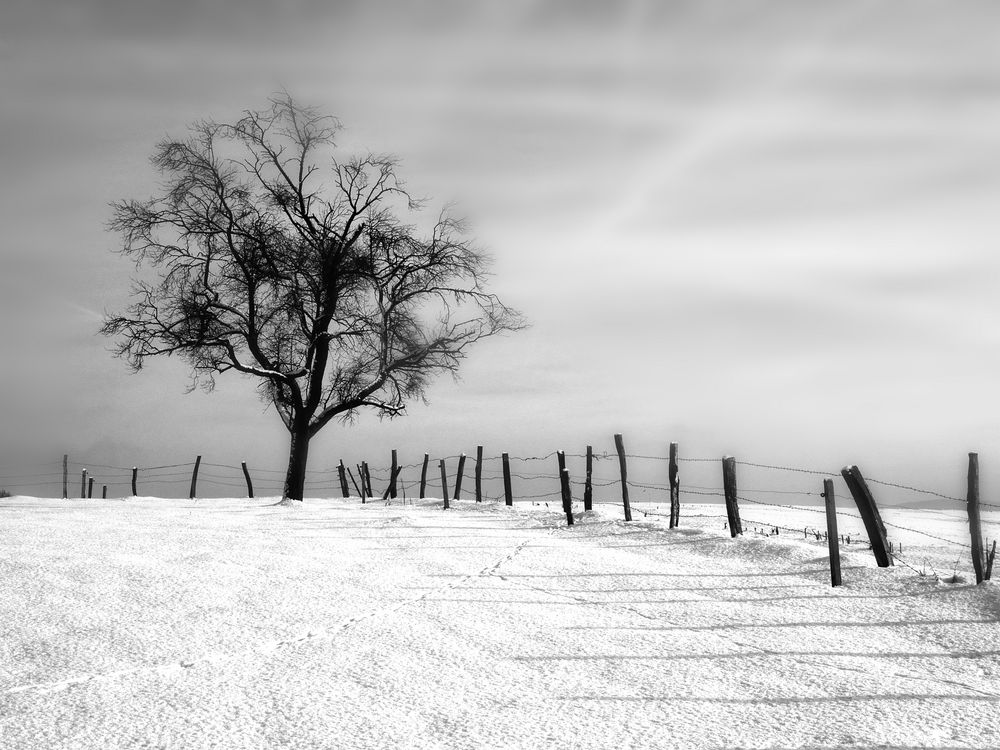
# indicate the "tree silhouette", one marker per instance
pixel 319 289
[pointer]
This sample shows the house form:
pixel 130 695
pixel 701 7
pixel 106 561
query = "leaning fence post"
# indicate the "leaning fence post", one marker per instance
pixel 458 478
pixel 831 531
pixel 423 476
pixel 563 487
pixel 989 560
pixel 975 521
pixel 135 480
pixel 194 478
pixel 392 483
pixel 729 488
pixel 479 473
pixel 393 473
pixel 368 479
pixel 869 514
pixel 246 475
pixel 444 485
pixel 620 447
pixel 588 485
pixel 356 488
pixel 566 495
pixel 508 496
pixel 361 479
pixel 65 476
pixel 342 475
pixel 675 489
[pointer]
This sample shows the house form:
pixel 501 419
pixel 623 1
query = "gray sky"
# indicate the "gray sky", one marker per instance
pixel 765 228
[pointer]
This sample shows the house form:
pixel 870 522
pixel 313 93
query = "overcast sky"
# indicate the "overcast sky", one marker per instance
pixel 760 228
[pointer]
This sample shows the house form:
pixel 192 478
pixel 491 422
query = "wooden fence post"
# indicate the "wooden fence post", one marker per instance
pixel 508 496
pixel 356 488
pixel 104 492
pixel 458 479
pixel 831 531
pixel 423 476
pixel 361 479
pixel 246 475
pixel 444 485
pixel 342 475
pixel 869 514
pixel 368 479
pixel 732 503
pixel 561 463
pixel 588 484
pixel 975 521
pixel 90 488
pixel 620 447
pixel 566 495
pixel 135 481
pixel 387 495
pixel 675 489
pixel 83 484
pixel 393 474
pixel 194 478
pixel 65 476
pixel 479 473
pixel 989 560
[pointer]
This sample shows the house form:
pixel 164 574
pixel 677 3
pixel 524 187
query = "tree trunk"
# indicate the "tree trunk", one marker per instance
pixel 298 455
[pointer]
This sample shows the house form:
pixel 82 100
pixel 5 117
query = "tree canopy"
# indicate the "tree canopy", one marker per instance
pixel 266 253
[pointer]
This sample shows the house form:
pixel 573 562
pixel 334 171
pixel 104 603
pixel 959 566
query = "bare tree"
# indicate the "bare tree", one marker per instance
pixel 316 287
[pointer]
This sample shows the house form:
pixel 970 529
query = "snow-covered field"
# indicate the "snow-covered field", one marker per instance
pixel 230 624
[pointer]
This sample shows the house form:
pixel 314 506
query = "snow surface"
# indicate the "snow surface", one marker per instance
pixel 150 623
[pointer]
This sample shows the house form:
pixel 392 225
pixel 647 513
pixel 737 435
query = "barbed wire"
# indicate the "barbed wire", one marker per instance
pixel 804 529
pixel 924 533
pixel 790 468
pixel 913 489
pixel 789 507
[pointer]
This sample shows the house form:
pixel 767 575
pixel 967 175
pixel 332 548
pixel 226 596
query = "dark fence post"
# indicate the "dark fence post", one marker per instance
pixel 508 496
pixel 989 560
pixel 356 488
pixel 566 495
pixel 368 479
pixel 869 514
pixel 588 485
pixel 458 479
pixel 342 475
pixel 104 492
pixel 393 474
pixel 620 447
pixel 975 521
pixel 563 487
pixel 675 489
pixel 729 487
pixel 423 476
pixel 479 473
pixel 90 487
pixel 361 479
pixel 83 484
pixel 387 495
pixel 194 478
pixel 831 531
pixel 246 475
pixel 135 481
pixel 444 485
pixel 65 476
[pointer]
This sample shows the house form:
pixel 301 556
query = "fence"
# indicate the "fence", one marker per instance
pixel 776 500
